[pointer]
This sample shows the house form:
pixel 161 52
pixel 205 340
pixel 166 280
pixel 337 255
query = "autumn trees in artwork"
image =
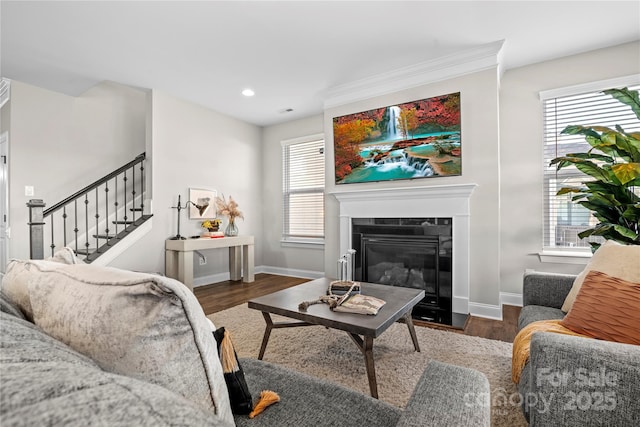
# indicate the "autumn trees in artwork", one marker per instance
pixel 407 122
pixel 430 115
pixel 426 116
pixel 347 137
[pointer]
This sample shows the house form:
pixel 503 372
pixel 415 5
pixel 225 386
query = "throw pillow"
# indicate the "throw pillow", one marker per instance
pixel 14 282
pixel 65 255
pixel 139 325
pixel 606 308
pixel 239 394
pixel 611 258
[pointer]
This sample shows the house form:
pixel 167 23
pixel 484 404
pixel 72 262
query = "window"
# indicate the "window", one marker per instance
pixel 580 105
pixel 303 189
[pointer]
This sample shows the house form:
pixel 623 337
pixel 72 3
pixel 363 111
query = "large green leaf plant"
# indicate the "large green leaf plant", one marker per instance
pixel 612 166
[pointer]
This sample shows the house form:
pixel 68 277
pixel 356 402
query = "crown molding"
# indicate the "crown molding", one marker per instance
pixel 438 69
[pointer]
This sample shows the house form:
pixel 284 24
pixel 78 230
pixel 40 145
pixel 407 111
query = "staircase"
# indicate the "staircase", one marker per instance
pixel 94 220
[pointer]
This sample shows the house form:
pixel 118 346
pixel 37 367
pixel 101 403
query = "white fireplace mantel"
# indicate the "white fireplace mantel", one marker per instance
pixel 434 201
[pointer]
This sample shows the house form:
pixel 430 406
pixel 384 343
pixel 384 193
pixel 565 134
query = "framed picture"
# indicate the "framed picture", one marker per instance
pixel 417 139
pixel 202 203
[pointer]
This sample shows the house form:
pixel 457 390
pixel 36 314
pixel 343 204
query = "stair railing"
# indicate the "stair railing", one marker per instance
pixel 82 221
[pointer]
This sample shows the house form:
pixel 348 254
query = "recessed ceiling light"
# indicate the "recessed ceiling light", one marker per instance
pixel 248 92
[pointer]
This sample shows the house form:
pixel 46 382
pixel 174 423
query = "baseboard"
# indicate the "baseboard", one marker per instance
pixel 211 278
pixel 509 298
pixel 291 272
pixel 485 310
pixel 221 277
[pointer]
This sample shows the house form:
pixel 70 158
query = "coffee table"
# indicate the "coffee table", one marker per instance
pixel 362 328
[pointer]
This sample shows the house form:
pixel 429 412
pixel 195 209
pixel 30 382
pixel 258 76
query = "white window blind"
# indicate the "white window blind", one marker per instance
pixel 564 219
pixel 303 189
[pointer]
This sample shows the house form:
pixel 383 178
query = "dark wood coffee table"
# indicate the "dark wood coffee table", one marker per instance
pixel 362 329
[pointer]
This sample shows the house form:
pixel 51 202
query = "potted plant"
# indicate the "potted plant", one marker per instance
pixel 612 166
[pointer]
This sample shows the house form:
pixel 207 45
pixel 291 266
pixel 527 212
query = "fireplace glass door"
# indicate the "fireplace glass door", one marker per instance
pixel 405 261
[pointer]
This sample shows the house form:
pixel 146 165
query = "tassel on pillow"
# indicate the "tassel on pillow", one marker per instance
pixel 267 398
pixel 239 396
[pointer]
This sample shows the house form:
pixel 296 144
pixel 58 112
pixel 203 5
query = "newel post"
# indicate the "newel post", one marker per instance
pixel 36 228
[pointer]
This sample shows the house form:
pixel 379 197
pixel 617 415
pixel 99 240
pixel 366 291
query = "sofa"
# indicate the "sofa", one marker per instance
pixel 52 374
pixel 572 380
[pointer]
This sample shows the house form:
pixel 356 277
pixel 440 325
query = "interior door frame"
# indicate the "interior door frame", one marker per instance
pixel 5 229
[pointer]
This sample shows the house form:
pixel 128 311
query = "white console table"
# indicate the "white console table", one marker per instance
pixel 179 257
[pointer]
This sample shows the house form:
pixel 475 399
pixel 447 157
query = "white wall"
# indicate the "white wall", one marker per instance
pixel 53 134
pixel 200 148
pixel 279 258
pixel 55 140
pixel 521 150
pixel 480 165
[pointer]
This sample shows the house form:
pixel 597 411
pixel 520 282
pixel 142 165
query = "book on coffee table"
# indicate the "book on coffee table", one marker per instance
pixel 360 304
pixel 342 287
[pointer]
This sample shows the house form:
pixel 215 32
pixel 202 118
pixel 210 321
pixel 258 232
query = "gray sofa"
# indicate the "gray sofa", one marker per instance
pixel 45 382
pixel 569 380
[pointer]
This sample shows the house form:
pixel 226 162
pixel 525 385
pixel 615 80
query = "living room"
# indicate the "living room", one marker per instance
pixel 500 118
pixel 58 142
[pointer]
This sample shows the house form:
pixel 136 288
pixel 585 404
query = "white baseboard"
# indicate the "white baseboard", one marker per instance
pixel 485 310
pixel 509 298
pixel 290 272
pixel 495 311
pixel 211 278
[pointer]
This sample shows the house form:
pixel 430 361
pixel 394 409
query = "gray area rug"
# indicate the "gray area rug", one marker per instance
pixel 331 355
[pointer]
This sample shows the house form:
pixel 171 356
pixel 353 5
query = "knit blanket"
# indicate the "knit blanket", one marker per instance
pixel 522 343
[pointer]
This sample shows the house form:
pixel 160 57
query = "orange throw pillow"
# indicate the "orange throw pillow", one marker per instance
pixel 606 308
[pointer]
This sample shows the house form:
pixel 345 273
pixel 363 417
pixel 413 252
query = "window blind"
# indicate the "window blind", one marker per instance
pixel 564 219
pixel 303 190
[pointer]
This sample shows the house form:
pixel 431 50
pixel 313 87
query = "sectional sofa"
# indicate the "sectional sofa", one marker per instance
pixel 85 345
pixel 577 380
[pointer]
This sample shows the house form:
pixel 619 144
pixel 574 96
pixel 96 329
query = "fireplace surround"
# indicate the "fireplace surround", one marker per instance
pixel 433 201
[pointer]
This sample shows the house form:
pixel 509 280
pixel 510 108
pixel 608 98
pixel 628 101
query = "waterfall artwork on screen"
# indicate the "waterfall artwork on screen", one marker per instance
pixel 416 139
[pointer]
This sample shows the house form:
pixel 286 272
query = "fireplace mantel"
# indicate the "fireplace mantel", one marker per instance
pixel 450 201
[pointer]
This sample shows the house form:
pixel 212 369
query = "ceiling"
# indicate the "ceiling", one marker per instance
pixel 290 53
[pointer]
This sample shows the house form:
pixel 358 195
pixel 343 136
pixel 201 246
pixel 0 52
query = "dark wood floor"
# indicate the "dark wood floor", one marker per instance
pixel 223 295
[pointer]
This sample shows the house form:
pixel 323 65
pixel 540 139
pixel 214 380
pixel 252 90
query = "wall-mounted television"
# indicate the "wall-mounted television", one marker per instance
pixel 417 139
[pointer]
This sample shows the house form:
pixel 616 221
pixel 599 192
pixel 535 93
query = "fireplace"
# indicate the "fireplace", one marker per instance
pixel 429 201
pixel 408 252
pixel 432 201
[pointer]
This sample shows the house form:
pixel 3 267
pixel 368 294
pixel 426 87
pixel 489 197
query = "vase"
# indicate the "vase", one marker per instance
pixel 232 229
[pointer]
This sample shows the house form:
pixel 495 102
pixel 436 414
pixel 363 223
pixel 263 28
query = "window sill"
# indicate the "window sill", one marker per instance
pixel 303 243
pixel 565 257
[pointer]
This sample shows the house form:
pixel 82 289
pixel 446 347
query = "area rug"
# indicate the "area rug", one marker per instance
pixel 330 354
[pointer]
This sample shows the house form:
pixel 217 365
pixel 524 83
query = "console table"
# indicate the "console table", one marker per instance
pixel 179 257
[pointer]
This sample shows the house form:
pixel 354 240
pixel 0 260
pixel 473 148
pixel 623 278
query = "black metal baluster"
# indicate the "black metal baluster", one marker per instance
pixel 125 199
pixel 86 224
pixel 75 223
pixel 53 245
pixel 116 206
pixel 97 215
pixel 106 211
pixel 141 188
pixel 133 193
pixel 64 225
